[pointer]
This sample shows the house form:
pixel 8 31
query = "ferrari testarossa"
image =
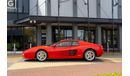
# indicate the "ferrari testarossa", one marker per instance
pixel 65 49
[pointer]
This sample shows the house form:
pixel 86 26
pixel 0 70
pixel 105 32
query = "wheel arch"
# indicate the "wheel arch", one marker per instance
pixel 40 50
pixel 89 49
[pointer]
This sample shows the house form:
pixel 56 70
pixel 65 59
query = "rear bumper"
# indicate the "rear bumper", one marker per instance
pixel 100 51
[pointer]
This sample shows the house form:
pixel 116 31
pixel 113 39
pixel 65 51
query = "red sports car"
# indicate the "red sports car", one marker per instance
pixel 65 49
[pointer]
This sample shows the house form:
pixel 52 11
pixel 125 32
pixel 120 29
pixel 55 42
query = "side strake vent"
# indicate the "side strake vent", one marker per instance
pixel 72 52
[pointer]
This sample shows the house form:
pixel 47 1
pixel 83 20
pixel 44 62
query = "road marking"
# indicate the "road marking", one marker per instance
pixel 27 65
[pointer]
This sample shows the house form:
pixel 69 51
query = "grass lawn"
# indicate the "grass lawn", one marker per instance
pixel 112 74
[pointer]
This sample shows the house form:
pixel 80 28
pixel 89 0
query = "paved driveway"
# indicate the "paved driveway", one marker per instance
pixel 74 70
pixel 17 66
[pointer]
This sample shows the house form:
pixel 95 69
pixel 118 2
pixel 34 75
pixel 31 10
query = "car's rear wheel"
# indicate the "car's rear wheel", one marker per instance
pixel 41 55
pixel 89 55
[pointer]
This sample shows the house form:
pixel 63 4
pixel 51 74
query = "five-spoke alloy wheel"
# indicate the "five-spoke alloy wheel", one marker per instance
pixel 41 55
pixel 89 55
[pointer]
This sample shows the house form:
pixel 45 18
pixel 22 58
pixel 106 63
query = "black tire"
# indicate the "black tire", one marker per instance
pixel 89 55
pixel 41 55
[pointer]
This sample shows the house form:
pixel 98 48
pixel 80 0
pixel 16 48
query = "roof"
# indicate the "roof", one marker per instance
pixel 61 19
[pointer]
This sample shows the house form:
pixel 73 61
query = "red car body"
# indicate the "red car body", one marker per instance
pixel 65 52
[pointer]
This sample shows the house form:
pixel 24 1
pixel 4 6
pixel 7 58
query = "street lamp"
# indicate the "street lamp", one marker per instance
pixel 113 5
pixel 88 20
pixel 87 5
pixel 37 8
pixel 58 20
pixel 59 30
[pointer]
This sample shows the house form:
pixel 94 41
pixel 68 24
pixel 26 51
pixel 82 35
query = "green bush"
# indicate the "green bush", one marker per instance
pixel 112 74
pixel 9 46
pixel 17 45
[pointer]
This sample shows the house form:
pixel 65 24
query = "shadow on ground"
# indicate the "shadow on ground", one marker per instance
pixel 70 60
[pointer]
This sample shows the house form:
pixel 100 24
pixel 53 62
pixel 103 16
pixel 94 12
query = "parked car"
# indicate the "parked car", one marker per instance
pixel 65 49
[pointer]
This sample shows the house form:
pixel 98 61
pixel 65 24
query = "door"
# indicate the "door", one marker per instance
pixel 87 34
pixel 110 39
pixel 90 35
pixel 66 49
pixel 61 50
pixel 29 37
pixel 74 51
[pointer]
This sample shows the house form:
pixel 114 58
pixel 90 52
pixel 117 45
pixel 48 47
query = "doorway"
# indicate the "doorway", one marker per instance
pixel 29 37
pixel 87 35
pixel 110 39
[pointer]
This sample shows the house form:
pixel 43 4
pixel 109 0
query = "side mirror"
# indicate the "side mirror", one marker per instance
pixel 53 46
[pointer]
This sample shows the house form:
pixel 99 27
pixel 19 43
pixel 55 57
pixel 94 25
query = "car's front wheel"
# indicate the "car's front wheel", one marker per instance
pixel 41 55
pixel 89 55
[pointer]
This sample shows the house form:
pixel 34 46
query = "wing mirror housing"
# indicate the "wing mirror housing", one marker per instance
pixel 53 46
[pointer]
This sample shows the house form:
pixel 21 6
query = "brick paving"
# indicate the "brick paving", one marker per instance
pixel 75 70
pixel 108 63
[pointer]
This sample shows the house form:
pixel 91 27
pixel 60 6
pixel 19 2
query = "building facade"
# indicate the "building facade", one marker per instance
pixel 43 22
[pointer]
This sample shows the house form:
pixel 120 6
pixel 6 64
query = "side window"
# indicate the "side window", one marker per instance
pixel 63 44
pixel 75 43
